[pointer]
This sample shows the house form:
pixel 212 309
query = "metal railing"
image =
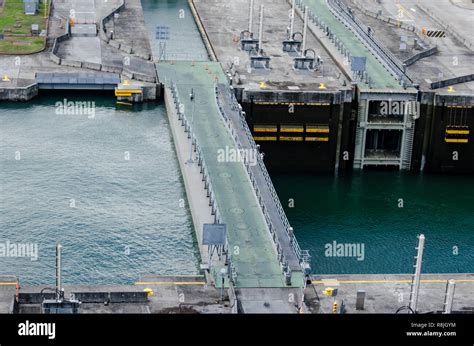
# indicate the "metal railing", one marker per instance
pixel 325 28
pixel 302 255
pixel 391 62
pixel 203 167
pixel 342 13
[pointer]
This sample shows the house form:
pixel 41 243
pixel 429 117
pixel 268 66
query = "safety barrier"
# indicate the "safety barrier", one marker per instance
pixel 452 81
pixel 105 19
pixel 340 11
pixel 426 53
pixel 203 170
pixel 391 62
pixel 302 255
pixel 120 46
pixel 233 300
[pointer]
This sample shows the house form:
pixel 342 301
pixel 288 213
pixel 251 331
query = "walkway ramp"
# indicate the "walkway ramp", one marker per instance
pixel 253 254
pixel 380 76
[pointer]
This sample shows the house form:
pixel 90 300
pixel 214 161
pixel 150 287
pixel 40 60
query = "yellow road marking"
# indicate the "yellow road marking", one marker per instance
pixel 171 283
pixel 388 281
pixel 7 283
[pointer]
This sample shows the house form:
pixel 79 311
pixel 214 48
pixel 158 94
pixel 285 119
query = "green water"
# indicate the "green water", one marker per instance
pixel 363 208
pixel 172 30
pixel 120 169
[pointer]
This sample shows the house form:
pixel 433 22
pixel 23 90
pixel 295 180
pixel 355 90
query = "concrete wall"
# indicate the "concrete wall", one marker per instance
pixel 111 69
pixel 202 31
pixel 71 63
pixel 123 47
pixel 100 67
pixel 150 93
pixel 443 157
pixel 92 66
pixel 105 19
pixel 452 81
pixel 421 55
pixel 19 94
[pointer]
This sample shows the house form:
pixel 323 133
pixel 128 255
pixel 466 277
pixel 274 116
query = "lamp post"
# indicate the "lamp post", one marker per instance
pixel 223 273
pixel 191 97
pixel 116 17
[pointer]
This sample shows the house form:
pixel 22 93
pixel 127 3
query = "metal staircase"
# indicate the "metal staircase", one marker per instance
pixel 409 139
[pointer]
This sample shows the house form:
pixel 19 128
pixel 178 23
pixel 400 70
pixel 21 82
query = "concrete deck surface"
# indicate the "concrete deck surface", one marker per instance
pixel 453 58
pixel 385 293
pixel 224 21
pixel 249 239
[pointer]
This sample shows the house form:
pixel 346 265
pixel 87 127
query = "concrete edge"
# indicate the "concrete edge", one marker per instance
pixel 197 199
pixel 203 32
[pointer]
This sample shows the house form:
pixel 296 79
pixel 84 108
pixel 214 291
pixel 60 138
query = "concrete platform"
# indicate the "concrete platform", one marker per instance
pixel 84 30
pixel 7 293
pixel 82 49
pixel 256 261
pixel 130 29
pixel 453 58
pixel 171 294
pixel 87 49
pixel 385 293
pixel 196 194
pixel 224 21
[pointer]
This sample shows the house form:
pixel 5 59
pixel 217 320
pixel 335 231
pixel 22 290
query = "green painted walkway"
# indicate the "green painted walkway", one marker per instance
pixel 249 242
pixel 381 78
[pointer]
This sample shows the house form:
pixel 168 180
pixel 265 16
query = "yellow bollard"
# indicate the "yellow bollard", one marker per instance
pixel 149 292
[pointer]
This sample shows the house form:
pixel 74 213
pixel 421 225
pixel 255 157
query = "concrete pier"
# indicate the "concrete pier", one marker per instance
pixel 70 51
pixel 196 194
pixel 170 294
pixel 386 293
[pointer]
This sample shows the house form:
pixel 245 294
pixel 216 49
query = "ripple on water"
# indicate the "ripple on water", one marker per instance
pixel 127 220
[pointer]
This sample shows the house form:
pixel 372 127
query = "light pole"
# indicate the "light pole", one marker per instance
pixel 223 273
pixel 191 97
pixel 116 16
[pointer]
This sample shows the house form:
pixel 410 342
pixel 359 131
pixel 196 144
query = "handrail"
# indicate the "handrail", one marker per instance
pixel 302 255
pixel 201 163
pixel 361 29
pixel 340 11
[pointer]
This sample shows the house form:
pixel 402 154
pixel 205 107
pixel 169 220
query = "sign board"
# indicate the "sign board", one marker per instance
pixel 162 33
pixel 359 63
pixel 214 234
